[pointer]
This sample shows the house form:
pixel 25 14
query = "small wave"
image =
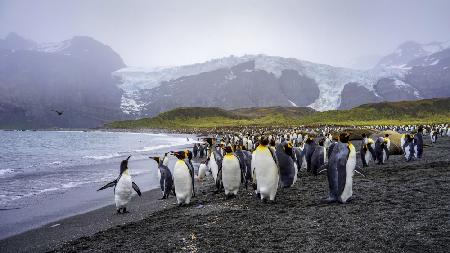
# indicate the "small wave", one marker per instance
pixel 69 131
pixel 146 149
pixel 47 190
pixel 72 184
pixel 8 198
pixel 102 157
pixel 55 163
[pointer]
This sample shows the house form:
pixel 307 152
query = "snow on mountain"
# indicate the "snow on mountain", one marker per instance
pixel 409 51
pixel 53 47
pixel 401 85
pixel 331 80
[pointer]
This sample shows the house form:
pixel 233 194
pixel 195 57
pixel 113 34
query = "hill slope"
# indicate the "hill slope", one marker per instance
pixel 73 76
pixel 426 111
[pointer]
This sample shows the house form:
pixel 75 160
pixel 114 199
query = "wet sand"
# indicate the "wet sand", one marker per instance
pixel 397 207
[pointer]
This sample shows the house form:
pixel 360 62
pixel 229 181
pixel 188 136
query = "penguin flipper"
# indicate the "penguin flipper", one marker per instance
pixel 359 171
pixel 110 184
pixel 323 168
pixel 136 188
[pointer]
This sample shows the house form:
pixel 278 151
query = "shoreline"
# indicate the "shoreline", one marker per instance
pixel 52 234
pixel 38 209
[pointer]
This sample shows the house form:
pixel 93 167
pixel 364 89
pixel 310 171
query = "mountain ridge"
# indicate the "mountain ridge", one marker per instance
pixel 88 80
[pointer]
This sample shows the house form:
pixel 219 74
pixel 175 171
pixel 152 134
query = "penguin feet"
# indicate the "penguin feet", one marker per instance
pixel 230 196
pixel 122 210
pixel 328 200
pixel 340 201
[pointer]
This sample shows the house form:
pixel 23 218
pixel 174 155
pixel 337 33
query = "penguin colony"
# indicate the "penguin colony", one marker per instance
pixel 269 159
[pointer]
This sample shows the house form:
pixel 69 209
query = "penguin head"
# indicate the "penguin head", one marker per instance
pixel 209 140
pixel 264 141
pixel 156 158
pixel 321 141
pixel 309 140
pixel 228 150
pixel 181 155
pixel 272 142
pixel 124 165
pixel 386 135
pixel 188 154
pixel 287 146
pixel 363 135
pixel 344 137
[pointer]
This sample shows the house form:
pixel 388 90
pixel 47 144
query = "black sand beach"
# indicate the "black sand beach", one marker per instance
pixel 397 207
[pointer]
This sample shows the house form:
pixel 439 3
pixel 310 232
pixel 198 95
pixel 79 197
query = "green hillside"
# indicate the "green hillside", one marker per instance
pixel 426 111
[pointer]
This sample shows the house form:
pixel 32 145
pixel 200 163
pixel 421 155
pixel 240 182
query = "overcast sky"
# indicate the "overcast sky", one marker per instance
pixel 165 32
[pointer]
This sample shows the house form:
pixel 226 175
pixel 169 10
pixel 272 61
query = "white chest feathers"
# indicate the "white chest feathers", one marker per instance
pixel 123 190
pixel 183 182
pixel 231 174
pixel 349 170
pixel 202 171
pixel 266 173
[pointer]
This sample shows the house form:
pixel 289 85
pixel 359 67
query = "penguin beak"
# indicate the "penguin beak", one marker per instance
pixel 128 158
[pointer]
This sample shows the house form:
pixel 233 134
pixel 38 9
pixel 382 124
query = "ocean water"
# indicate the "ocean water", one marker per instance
pixel 34 164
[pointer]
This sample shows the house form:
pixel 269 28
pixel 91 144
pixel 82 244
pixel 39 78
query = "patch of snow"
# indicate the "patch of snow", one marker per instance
pixel 401 66
pixel 417 94
pixel 54 47
pixel 435 62
pixel 230 76
pixel 129 105
pixel 292 103
pixel 399 83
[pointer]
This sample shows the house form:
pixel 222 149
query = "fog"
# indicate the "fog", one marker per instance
pixel 175 32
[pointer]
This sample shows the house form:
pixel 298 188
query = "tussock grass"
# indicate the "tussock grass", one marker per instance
pixel 428 111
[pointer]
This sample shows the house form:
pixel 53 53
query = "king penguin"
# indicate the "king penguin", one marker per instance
pixel 318 157
pixel 182 178
pixel 309 148
pixel 188 157
pixel 123 187
pixel 381 152
pixel 408 147
pixel 245 162
pixel 166 179
pixel 202 171
pixel 285 158
pixel 265 170
pixel 340 170
pixel 215 163
pixel 231 172
pixel 367 150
